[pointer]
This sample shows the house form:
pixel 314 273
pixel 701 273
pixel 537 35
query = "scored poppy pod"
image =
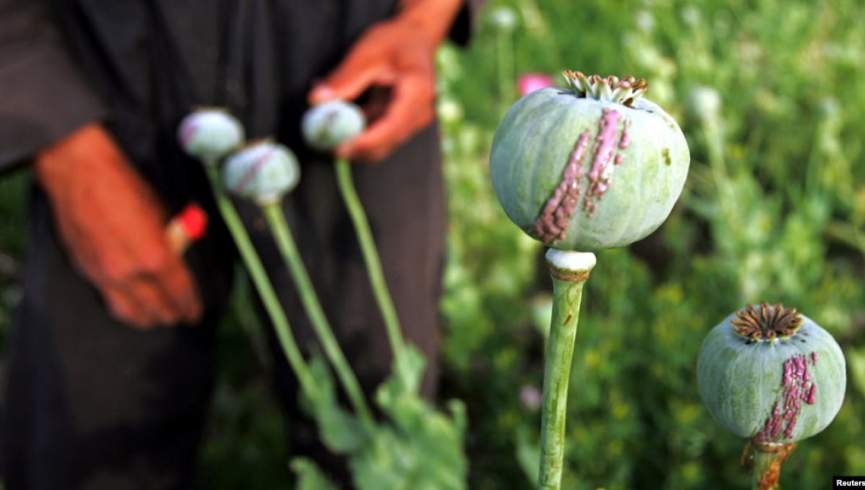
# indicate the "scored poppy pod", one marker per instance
pixel 588 167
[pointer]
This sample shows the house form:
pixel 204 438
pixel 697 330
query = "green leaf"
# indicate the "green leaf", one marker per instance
pixel 309 476
pixel 421 447
pixel 340 431
pixel 408 370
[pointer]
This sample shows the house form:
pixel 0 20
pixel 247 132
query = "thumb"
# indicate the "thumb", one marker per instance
pixel 347 81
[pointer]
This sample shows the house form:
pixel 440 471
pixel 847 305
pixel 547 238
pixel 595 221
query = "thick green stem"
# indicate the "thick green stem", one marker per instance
pixel 370 256
pixel 262 284
pixel 766 461
pixel 288 248
pixel 569 271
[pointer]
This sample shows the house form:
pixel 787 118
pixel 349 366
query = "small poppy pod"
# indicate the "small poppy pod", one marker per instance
pixel 263 171
pixel 332 123
pixel 772 375
pixel 209 134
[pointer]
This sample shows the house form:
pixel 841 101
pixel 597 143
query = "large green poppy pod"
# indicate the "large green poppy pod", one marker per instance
pixel 772 375
pixel 589 167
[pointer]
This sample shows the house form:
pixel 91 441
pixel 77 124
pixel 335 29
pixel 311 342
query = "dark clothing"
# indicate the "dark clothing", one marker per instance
pixel 44 94
pixel 94 404
pixel 141 64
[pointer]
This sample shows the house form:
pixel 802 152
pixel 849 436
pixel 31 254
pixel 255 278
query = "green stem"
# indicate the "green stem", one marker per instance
pixel 569 271
pixel 713 132
pixel 288 248
pixel 766 461
pixel 505 71
pixel 370 256
pixel 262 284
pixel 715 142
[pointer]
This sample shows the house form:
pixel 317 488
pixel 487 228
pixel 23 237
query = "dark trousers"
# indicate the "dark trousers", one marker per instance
pixel 94 404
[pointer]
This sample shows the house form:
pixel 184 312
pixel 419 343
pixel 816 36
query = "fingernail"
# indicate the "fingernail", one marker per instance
pixel 321 93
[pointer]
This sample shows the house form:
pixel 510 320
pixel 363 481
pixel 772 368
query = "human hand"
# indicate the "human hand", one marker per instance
pixel 398 54
pixel 112 225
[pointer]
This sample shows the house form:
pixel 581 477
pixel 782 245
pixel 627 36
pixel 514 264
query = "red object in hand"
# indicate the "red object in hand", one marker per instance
pixel 185 228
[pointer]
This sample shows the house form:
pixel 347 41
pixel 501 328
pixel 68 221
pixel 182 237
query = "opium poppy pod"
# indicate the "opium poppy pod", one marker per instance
pixel 262 171
pixel 588 167
pixel 332 123
pixel 772 375
pixel 209 134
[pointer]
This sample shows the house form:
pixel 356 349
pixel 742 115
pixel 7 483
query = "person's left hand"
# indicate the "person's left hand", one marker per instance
pixel 398 54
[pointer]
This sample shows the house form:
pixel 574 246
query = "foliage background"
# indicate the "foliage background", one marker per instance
pixel 774 210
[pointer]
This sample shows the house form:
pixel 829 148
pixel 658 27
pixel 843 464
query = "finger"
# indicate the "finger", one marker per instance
pixel 83 259
pixel 410 109
pixel 350 79
pixel 149 297
pixel 176 283
pixel 124 308
pixel 173 290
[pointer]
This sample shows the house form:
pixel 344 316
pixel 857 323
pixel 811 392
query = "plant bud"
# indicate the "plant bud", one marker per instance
pixel 503 18
pixel 332 123
pixel 704 103
pixel 209 134
pixel 263 172
pixel 770 374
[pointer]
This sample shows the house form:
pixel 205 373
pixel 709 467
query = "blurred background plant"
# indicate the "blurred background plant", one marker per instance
pixel 771 94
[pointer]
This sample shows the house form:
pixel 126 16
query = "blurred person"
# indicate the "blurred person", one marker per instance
pixel 111 360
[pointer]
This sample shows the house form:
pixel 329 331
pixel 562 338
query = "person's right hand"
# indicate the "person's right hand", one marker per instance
pixel 112 225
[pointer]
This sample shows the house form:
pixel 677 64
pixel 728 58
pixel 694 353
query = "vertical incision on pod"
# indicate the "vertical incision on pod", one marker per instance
pixel 552 223
pixel 797 386
pixel 625 141
pixel 252 171
pixel 601 173
pixel 329 119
